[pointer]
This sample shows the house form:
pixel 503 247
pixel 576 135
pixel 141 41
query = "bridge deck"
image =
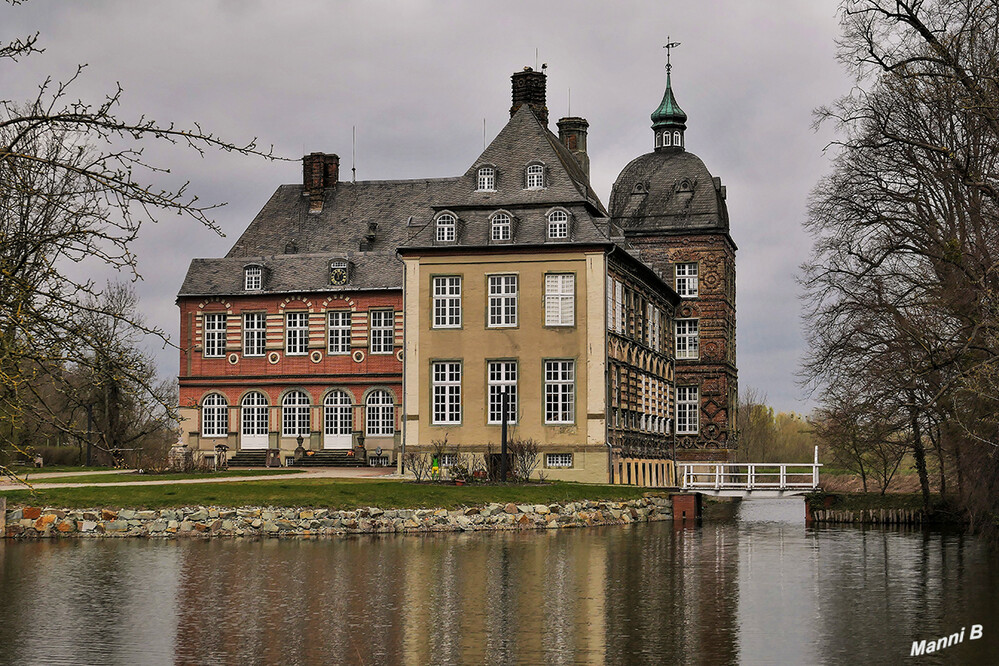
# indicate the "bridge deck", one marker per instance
pixel 745 479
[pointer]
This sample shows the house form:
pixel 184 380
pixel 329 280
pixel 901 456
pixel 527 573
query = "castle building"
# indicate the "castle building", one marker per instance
pixel 364 320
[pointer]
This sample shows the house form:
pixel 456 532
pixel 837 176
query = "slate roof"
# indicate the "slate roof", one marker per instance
pixel 668 190
pixel 291 273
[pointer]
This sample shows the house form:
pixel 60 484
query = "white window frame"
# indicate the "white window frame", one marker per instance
pixel 688 401
pixel 379 414
pixel 501 375
pixel 677 138
pixel 254 414
pixel 446 290
pixel 447 228
pixel 486 179
pixel 445 377
pixel 686 279
pixel 296 333
pixel 338 324
pixel 214 416
pixel 254 333
pixel 686 340
pixel 502 305
pixel 560 299
pixel 501 228
pixel 338 414
pixel 666 140
pixel 214 333
pixel 560 392
pixel 558 460
pixel 558 224
pixel 382 335
pixel 295 414
pixel 253 278
pixel 535 177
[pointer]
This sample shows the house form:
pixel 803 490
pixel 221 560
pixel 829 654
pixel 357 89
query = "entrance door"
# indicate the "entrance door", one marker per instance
pixel 253 434
pixel 337 421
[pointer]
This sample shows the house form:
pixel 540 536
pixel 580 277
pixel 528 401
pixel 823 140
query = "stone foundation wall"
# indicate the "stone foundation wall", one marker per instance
pixel 202 522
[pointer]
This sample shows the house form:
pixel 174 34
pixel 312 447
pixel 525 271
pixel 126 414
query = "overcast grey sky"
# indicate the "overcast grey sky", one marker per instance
pixel 418 78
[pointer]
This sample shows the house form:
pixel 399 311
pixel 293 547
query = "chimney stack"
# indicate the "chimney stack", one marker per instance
pixel 529 88
pixel 319 171
pixel 572 135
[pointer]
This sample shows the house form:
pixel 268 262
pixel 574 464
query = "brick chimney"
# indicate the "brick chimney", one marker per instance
pixel 572 135
pixel 529 88
pixel 319 171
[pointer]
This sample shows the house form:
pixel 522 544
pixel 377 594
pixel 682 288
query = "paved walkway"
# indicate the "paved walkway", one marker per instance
pixel 315 473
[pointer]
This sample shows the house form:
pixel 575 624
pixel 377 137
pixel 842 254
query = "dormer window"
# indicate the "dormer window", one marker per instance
pixel 676 139
pixel 666 140
pixel 339 272
pixel 253 278
pixel 535 177
pixel 558 224
pixel 501 227
pixel 487 179
pixel 447 228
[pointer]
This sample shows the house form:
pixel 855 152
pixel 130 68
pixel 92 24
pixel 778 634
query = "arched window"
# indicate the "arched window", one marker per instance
pixel 676 138
pixel 295 414
pixel 254 414
pixel 666 142
pixel 380 414
pixel 337 414
pixel 446 228
pixel 659 139
pixel 535 177
pixel 487 178
pixel 214 416
pixel 558 224
pixel 500 227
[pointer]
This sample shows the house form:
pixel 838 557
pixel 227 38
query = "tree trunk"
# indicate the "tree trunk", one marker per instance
pixel 919 453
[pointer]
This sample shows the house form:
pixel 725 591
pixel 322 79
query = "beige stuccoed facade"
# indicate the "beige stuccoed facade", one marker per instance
pixel 529 342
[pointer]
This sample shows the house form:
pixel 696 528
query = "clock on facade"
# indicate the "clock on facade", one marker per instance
pixel 338 273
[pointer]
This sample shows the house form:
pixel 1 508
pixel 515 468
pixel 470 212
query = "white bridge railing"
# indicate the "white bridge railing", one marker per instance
pixel 750 476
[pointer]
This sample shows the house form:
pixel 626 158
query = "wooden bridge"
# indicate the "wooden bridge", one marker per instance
pixel 750 479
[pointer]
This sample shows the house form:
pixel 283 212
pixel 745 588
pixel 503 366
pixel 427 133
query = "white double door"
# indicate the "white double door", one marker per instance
pixel 338 421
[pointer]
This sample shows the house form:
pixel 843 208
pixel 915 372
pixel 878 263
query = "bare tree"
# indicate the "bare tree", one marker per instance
pixel 74 187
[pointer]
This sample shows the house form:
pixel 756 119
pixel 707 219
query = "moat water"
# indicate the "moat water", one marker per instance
pixel 759 588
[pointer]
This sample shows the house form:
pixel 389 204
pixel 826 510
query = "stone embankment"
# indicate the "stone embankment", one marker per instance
pixel 37 522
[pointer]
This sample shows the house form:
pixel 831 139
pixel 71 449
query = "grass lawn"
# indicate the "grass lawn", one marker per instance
pixel 132 477
pixel 331 493
pixel 21 470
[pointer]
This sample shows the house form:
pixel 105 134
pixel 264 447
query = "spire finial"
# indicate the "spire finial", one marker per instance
pixel 669 46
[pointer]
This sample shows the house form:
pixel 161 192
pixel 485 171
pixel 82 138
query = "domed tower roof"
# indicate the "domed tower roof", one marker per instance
pixel 668 190
pixel 669 114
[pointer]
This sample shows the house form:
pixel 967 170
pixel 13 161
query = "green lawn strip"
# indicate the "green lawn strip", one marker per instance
pixel 21 470
pixel 330 493
pixel 131 477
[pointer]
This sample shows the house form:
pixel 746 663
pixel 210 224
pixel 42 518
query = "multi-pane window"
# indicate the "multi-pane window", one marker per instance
pixel 447 228
pixel 382 326
pixel 254 414
pixel 253 278
pixel 214 335
pixel 337 414
pixel 560 389
pixel 447 392
pixel 501 227
pixel 502 377
pixel 295 414
pixel 560 289
pixel 448 459
pixel 686 279
pixel 686 338
pixel 535 177
pixel 558 224
pixel 686 410
pixel 502 300
pixel 339 330
pixel 254 333
pixel 296 333
pixel 558 460
pixel 447 302
pixel 487 178
pixel 214 416
pixel 379 414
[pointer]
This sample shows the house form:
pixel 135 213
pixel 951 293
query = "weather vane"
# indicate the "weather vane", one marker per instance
pixel 669 45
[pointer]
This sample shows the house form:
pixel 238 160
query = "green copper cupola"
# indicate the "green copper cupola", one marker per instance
pixel 669 122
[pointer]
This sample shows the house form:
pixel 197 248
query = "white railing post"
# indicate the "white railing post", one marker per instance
pixel 782 482
pixel 717 477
